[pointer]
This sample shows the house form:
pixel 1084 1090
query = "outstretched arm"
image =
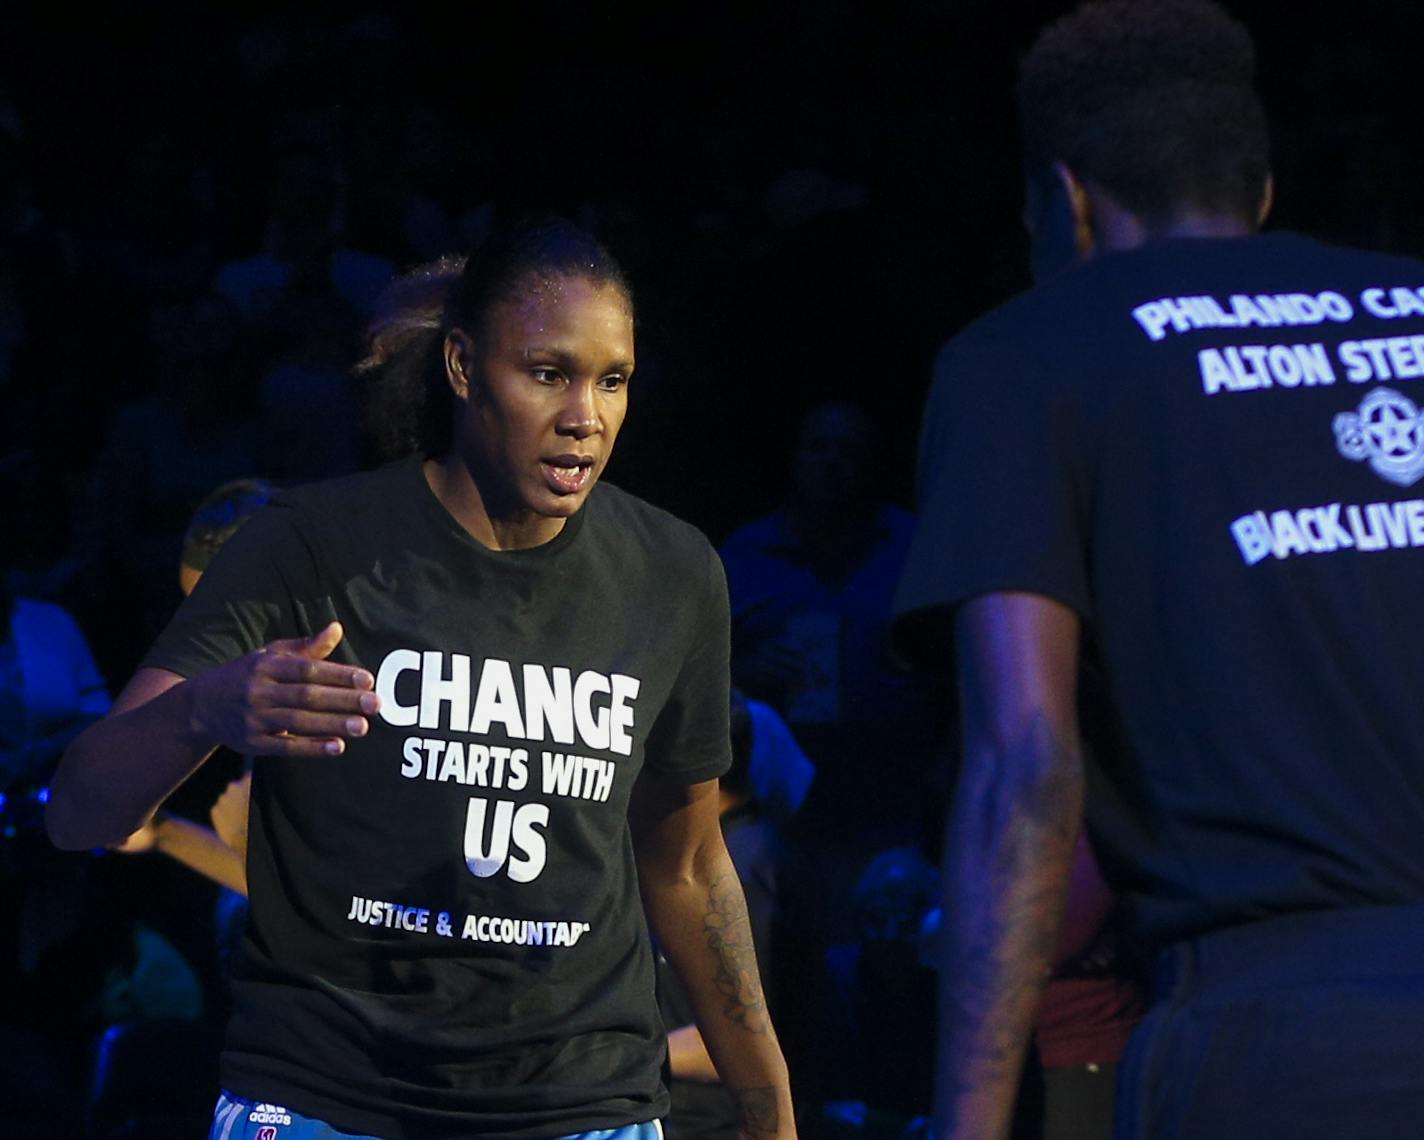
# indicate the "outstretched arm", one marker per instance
pixel 197 847
pixel 283 700
pixel 697 912
pixel 1008 850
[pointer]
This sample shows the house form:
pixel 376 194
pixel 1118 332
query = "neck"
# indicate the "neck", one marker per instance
pixel 1116 229
pixel 1203 226
pixel 488 522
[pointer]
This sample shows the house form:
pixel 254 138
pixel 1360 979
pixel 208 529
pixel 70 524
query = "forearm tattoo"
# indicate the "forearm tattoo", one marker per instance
pixel 1008 926
pixel 729 936
pixel 756 1111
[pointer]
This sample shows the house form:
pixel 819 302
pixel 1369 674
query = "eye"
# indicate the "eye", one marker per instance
pixel 545 375
pixel 612 382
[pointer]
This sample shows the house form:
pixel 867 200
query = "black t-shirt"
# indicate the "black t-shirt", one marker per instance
pixel 446 938
pixel 1210 449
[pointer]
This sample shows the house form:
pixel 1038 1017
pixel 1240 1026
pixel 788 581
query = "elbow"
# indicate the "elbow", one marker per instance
pixel 65 831
pixel 70 820
pixel 657 878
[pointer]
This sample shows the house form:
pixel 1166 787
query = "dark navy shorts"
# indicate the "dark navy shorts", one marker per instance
pixel 1300 1027
pixel 237 1118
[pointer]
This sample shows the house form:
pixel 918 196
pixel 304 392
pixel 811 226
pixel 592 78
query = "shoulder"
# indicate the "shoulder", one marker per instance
pixel 1083 320
pixel 1295 249
pixel 1015 356
pixel 347 502
pixel 637 528
pixel 389 480
pixel 332 524
pixel 1014 337
pixel 645 542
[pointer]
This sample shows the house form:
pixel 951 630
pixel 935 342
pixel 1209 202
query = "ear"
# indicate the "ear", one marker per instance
pixel 1085 237
pixel 459 351
pixel 1268 199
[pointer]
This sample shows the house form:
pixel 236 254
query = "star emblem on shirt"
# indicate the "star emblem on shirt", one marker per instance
pixel 1388 430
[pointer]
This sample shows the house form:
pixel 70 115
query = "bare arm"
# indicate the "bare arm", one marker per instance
pixel 1008 851
pixel 688 1058
pixel 197 847
pixel 697 911
pixel 283 700
pixel 229 814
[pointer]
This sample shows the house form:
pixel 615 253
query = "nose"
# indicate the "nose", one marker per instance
pixel 578 416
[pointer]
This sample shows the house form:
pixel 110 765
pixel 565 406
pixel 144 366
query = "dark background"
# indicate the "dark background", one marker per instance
pixel 810 196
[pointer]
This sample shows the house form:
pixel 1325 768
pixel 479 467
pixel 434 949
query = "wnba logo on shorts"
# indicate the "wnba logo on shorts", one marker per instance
pixel 266 1132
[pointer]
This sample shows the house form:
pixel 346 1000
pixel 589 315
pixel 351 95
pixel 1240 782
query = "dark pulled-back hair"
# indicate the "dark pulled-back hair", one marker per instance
pixel 409 405
pixel 1152 100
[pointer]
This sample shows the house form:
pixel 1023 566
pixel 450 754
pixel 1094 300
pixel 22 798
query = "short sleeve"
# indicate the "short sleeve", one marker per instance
pixel 245 599
pixel 1002 500
pixel 691 737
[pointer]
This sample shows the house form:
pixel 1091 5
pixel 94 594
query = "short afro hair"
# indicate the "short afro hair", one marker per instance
pixel 1153 101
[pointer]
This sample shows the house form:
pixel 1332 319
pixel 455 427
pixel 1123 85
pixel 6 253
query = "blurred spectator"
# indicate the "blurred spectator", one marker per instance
pixel 311 425
pixel 164 453
pixel 810 590
pixel 50 688
pixel 877 1012
pixel 153 235
pixel 302 244
pixel 779 774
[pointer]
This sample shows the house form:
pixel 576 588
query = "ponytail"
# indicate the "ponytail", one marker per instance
pixel 408 403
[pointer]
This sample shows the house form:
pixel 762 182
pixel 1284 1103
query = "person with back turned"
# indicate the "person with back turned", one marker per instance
pixel 1196 449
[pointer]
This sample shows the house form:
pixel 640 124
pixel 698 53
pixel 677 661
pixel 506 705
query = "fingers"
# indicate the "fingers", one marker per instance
pixel 286 721
pixel 298 746
pixel 317 647
pixel 299 703
pixel 315 698
pixel 283 667
pixel 291 732
pixel 321 643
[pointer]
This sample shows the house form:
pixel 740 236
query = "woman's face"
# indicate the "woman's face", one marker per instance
pixel 544 392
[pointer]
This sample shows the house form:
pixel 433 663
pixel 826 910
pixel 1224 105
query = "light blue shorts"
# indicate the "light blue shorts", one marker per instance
pixel 237 1118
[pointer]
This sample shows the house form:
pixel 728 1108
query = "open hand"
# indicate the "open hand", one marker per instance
pixel 286 699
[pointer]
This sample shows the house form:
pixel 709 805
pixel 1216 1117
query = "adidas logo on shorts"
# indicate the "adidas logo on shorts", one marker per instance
pixel 269 1114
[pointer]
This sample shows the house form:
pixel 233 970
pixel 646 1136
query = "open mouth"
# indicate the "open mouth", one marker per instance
pixel 568 474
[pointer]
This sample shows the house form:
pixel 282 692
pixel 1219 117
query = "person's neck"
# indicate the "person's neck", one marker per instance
pixel 1117 230
pixel 488 521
